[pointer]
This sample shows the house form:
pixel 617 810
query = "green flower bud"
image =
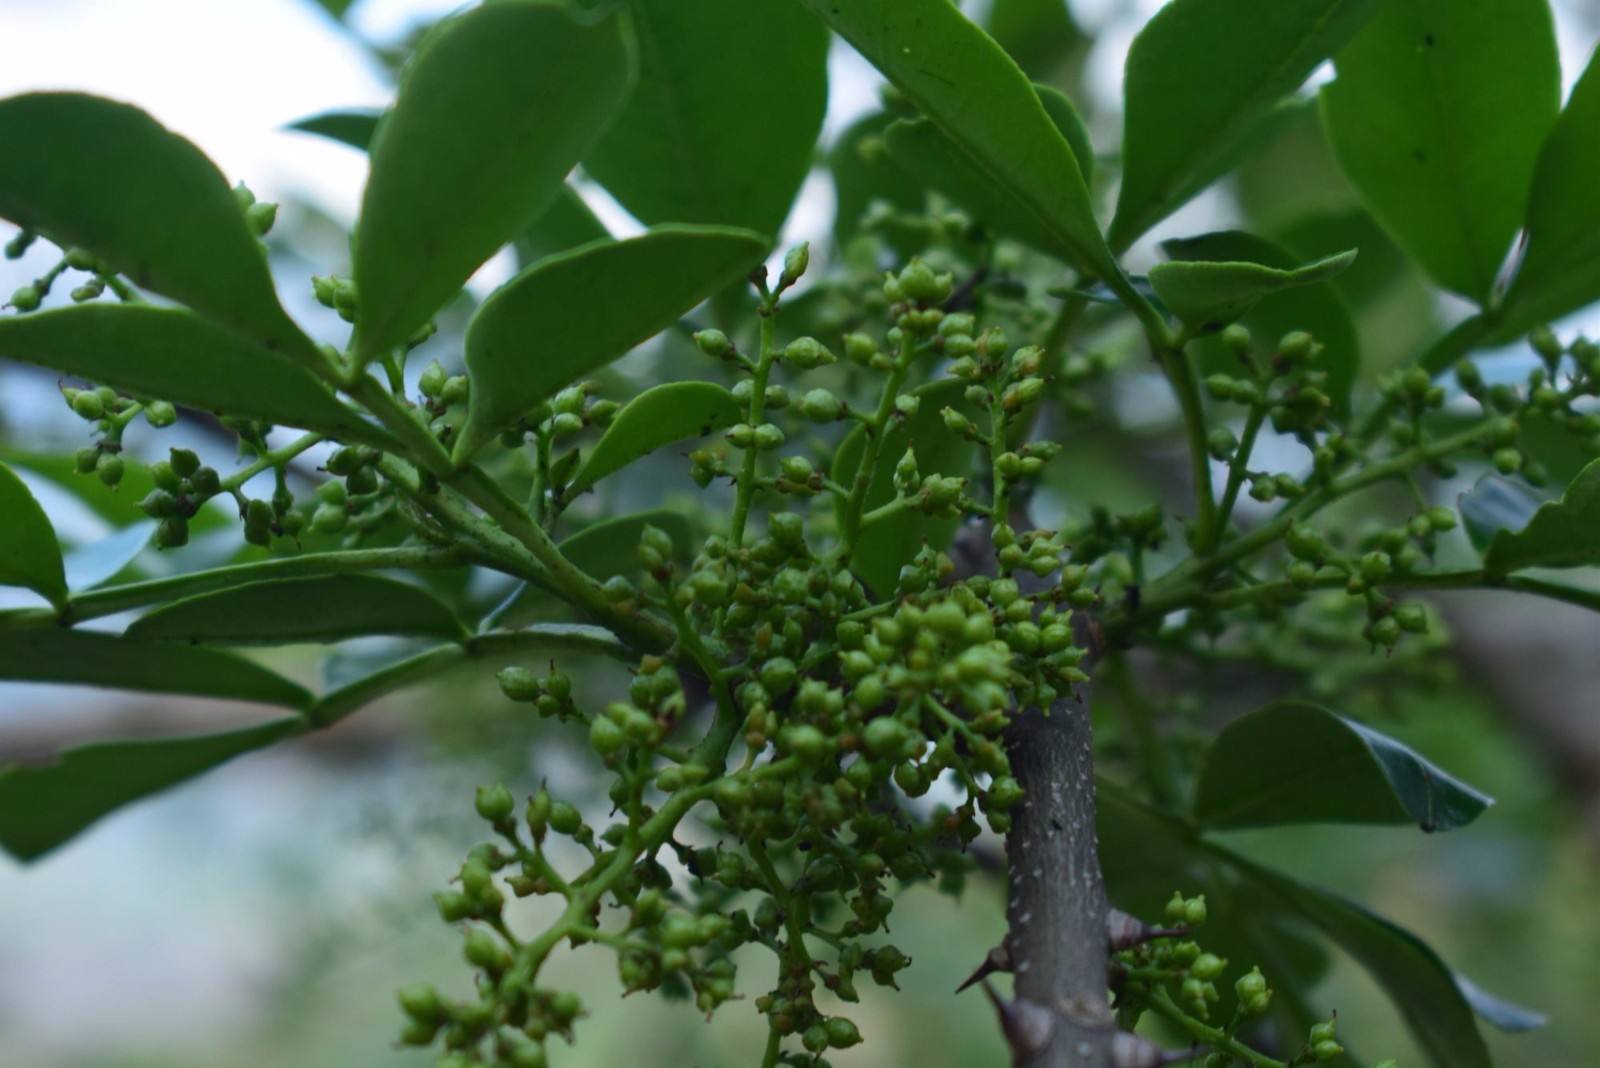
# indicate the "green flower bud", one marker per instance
pixel 160 414
pixel 1507 461
pixel 767 437
pixel 432 381
pixel 795 264
pixel 108 468
pixel 1207 966
pixel 1194 911
pixel 1326 1051
pixel 420 1002
pixel 26 298
pixel 495 803
pixel 482 951
pixel 1221 443
pixel 807 353
pixel 159 504
pixel 859 348
pixel 815 1038
pixel 564 818
pixel 713 343
pixel 456 390
pixel 261 215
pixel 842 1033
pixel 86 404
pixel 821 406
pixel 805 742
pixel 606 736
pixel 454 906
pixel 1296 346
pixel 172 532
pixel 918 282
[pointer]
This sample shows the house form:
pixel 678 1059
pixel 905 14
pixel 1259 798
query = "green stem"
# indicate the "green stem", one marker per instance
pixel 872 446
pixel 746 490
pixel 1237 469
pixel 270 459
pixel 1214 1037
pixel 1185 381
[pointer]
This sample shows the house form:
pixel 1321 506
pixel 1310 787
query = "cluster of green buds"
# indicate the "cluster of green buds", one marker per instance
pixel 110 413
pixel 182 485
pixel 29 296
pixel 550 695
pixel 1289 386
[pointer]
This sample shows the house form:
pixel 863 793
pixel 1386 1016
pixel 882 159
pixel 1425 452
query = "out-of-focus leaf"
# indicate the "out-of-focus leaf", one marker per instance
pixel 90 565
pixel 924 150
pixel 42 806
pixel 723 123
pixel 1564 533
pixel 865 173
pixel 884 546
pixel 1201 76
pixel 494 109
pixel 87 658
pixel 1039 34
pixel 321 608
pixel 1505 1015
pixel 565 224
pixel 91 172
pixel 983 102
pixel 1560 272
pixel 575 312
pixel 349 126
pixel 659 416
pixel 601 550
pixel 1436 116
pixel 1293 762
pixel 1208 295
pixel 30 556
pixel 1318 309
pixel 169 353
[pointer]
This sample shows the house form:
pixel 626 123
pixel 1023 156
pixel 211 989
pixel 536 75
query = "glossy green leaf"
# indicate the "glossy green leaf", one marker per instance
pixel 601 550
pixel 1318 309
pixel 723 123
pixel 922 149
pixel 565 224
pixel 1293 762
pixel 1136 839
pixel 1039 34
pixel 88 658
pixel 1560 271
pixel 979 97
pixel 44 805
pixel 1564 533
pixel 884 546
pixel 322 608
pixel 169 353
pixel 1201 77
pixel 575 312
pixel 864 174
pixel 674 411
pixel 1208 295
pixel 349 126
pixel 494 109
pixel 91 172
pixel 1436 117
pixel 29 554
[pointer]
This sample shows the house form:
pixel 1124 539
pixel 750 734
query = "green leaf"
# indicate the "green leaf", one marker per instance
pixel 322 608
pixel 349 126
pixel 601 550
pixel 88 658
pixel 1208 295
pixel 1560 271
pixel 1505 1015
pixel 1564 533
pixel 921 148
pixel 885 545
pixel 1293 762
pixel 494 109
pixel 1136 839
pixel 980 98
pixel 1039 34
pixel 105 176
pixel 575 312
pixel 1436 117
pixel 42 806
pixel 29 554
pixel 722 125
pixel 1318 309
pixel 658 416
pixel 1201 77
pixel 565 224
pixel 864 173
pixel 169 353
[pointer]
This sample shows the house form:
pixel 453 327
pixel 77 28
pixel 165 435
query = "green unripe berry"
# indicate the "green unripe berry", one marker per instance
pixel 1386 631
pixel 495 803
pixel 886 738
pixel 842 1033
pixel 420 1002
pixel 160 414
pixel 86 404
pixel 805 742
pixel 821 406
pixel 565 818
pixel 1411 617
pixel 815 1038
pixel 26 298
pixel 432 381
pixel 1507 461
pixel 606 737
pixel 1207 966
pixel 108 468
pixel 807 353
pixel 482 951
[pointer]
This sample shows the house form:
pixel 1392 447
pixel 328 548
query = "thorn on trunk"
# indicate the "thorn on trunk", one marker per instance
pixel 1027 1027
pixel 1124 931
pixel 998 959
pixel 1128 1050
